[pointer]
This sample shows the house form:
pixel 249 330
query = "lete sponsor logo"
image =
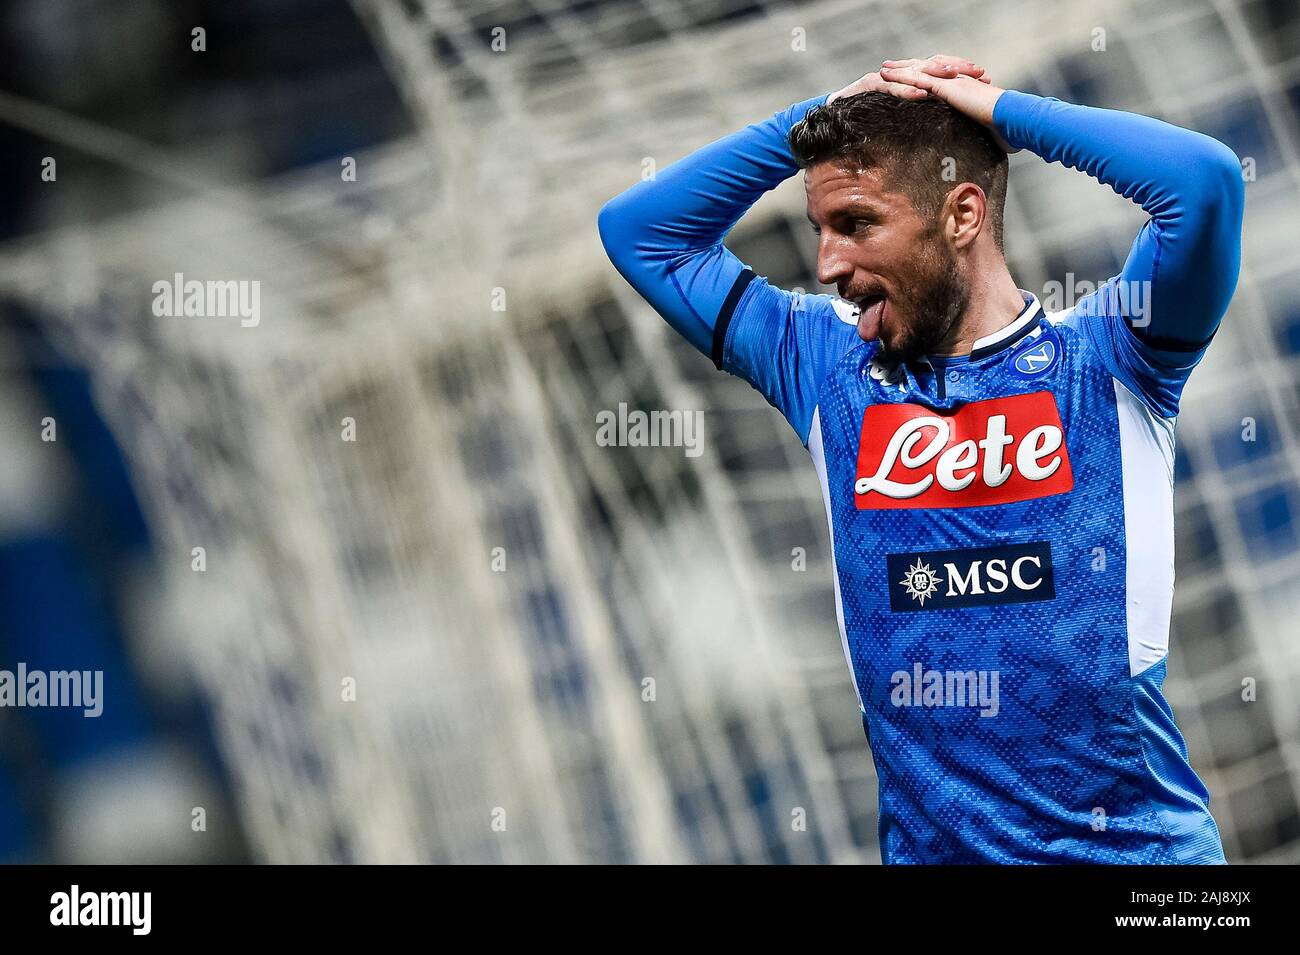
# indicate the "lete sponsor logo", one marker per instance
pixel 987 452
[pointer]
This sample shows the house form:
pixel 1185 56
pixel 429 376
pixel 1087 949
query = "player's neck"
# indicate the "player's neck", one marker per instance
pixel 994 303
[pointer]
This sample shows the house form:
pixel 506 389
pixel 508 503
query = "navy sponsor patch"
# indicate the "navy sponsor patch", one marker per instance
pixel 971 577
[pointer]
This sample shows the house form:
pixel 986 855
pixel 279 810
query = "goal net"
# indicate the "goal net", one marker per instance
pixel 438 620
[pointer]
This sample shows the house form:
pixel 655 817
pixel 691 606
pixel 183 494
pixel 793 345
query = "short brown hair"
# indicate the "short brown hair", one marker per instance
pixel 909 140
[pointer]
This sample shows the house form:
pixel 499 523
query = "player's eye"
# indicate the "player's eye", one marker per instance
pixel 861 226
pixel 816 229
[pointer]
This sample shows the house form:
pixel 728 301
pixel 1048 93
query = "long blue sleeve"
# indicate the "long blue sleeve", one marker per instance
pixel 1154 319
pixel 664 235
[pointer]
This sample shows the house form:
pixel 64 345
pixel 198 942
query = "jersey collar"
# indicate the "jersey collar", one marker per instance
pixel 1007 336
pixel 1002 339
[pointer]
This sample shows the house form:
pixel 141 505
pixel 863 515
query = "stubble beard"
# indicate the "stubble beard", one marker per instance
pixel 935 302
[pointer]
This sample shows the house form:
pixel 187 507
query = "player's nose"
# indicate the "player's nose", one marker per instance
pixel 833 264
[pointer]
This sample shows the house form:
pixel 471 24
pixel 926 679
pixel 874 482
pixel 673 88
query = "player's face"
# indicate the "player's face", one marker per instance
pixel 885 257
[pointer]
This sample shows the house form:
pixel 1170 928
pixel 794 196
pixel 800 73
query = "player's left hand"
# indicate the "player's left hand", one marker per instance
pixel 973 96
pixel 939 65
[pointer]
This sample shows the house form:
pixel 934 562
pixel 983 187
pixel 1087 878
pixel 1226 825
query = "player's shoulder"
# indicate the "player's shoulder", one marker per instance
pixel 831 331
pixel 1099 346
pixel 829 323
pixel 786 343
pixel 1068 327
pixel 832 315
pixel 1065 321
pixel 843 310
pixel 1057 317
pixel 762 296
pixel 768 319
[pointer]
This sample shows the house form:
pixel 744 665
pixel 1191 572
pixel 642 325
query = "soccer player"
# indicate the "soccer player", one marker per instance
pixel 998 481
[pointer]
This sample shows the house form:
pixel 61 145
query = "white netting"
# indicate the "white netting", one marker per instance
pixel 484 689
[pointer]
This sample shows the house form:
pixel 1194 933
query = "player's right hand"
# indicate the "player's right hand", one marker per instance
pixel 939 65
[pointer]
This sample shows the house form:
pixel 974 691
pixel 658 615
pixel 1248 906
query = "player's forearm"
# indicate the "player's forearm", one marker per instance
pixel 664 235
pixel 1189 183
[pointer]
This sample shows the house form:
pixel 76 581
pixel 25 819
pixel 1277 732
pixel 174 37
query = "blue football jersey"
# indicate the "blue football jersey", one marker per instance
pixel 1001 522
pixel 1007 644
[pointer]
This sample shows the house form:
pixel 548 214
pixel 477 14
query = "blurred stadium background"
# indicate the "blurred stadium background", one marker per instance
pixel 486 135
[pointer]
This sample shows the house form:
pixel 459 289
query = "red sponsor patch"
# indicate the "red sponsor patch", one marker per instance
pixel 988 452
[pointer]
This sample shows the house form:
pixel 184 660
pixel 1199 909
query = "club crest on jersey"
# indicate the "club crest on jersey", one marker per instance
pixel 987 452
pixel 1035 358
pixel 971 577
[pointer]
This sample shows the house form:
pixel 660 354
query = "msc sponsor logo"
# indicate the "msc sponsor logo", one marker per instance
pixel 972 577
pixel 987 452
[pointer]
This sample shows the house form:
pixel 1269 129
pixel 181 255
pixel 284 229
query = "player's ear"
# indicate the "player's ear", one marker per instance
pixel 964 214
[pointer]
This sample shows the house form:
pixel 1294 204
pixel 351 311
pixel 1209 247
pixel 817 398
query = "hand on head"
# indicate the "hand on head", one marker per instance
pixel 960 83
pixel 939 66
